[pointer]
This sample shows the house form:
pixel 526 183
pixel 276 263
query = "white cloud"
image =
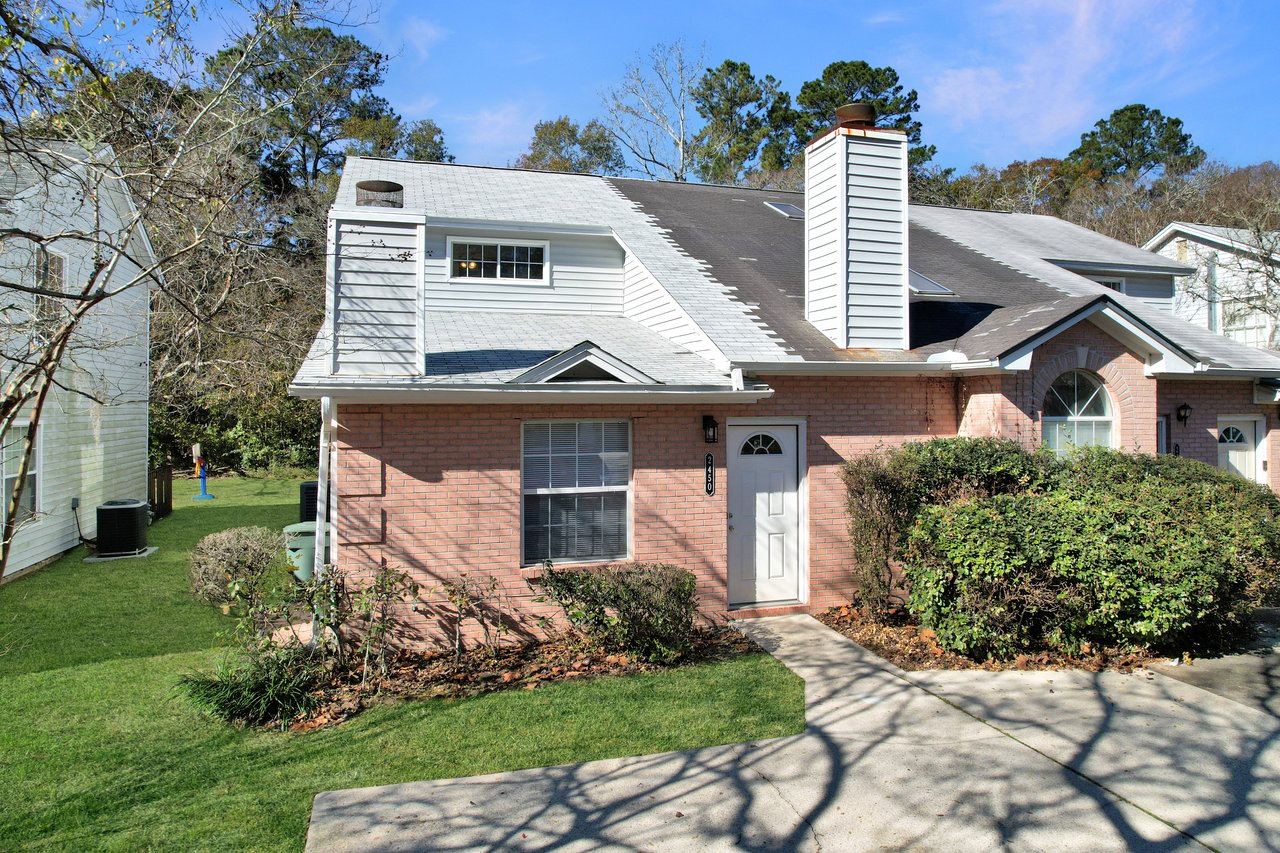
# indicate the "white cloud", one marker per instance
pixel 420 35
pixel 1041 73
pixel 885 18
pixel 494 135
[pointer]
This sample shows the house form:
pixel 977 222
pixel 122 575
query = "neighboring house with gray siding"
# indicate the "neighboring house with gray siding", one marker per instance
pixel 91 439
pixel 1235 288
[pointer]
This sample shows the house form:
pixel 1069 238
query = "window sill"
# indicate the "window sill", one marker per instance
pixel 534 282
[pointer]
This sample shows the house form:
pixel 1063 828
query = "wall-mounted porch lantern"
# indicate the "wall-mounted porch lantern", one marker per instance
pixel 1184 413
pixel 710 429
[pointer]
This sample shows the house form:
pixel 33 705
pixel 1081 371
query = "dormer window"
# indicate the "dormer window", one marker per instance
pixel 490 260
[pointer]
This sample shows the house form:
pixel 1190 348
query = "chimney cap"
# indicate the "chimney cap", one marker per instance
pixel 856 114
pixel 379 194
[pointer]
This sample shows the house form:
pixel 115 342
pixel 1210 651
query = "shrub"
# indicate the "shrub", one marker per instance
pixel 887 490
pixel 1156 565
pixel 261 687
pixel 233 564
pixel 644 609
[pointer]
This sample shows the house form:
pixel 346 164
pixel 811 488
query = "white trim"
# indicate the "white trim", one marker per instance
pixel 584 394
pixel 584 353
pixel 906 248
pixel 629 488
pixel 420 321
pixel 1120 282
pixel 544 245
pixel 325 474
pixel 802 490
pixel 331 291
pixel 1261 441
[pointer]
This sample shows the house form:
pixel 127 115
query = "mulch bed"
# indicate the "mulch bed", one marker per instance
pixel 900 640
pixel 415 675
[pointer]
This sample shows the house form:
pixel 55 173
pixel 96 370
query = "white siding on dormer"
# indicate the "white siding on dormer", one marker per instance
pixel 876 254
pixel 824 199
pixel 375 302
pixel 648 303
pixel 585 276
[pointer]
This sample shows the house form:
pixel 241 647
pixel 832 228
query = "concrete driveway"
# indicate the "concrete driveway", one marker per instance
pixel 889 761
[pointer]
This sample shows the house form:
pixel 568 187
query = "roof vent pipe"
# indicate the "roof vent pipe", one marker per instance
pixel 379 194
pixel 856 115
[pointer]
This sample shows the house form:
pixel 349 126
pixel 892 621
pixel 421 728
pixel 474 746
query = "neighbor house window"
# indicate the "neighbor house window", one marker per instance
pixel 11 449
pixel 493 260
pixel 1076 413
pixel 576 490
pixel 50 275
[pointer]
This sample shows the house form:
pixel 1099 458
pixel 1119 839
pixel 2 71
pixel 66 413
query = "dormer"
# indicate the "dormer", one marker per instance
pixel 856 274
pixel 584 363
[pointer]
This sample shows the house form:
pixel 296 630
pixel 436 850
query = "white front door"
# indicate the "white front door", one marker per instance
pixel 1238 447
pixel 764 514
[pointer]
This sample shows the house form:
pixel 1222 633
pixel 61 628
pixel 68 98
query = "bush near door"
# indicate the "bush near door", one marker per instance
pixel 1101 549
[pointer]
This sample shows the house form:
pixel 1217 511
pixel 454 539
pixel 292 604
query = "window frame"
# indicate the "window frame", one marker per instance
pixel 1111 282
pixel 45 310
pixel 545 245
pixel 34 469
pixel 1110 417
pixel 629 489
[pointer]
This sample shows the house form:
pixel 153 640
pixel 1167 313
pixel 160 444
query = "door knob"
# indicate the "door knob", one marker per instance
pixel 730 526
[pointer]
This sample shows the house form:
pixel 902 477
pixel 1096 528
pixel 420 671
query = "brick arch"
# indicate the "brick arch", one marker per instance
pixel 1131 392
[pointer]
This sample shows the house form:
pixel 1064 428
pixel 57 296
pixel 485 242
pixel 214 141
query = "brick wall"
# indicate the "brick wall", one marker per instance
pixel 435 489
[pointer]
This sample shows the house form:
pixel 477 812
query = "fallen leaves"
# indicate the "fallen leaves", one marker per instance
pixel 901 640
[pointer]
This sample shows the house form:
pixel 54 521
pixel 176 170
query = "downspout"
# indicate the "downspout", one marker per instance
pixel 327 428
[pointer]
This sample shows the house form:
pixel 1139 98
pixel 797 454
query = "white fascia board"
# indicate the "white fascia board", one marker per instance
pixel 1159 356
pixel 1103 268
pixel 541 395
pixel 843 368
pixel 399 215
pixel 1166 234
pixel 1208 372
pixel 583 353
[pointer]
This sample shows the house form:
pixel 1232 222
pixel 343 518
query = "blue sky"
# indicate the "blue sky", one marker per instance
pixel 998 81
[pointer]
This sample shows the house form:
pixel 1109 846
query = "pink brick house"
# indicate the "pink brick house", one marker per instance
pixel 520 366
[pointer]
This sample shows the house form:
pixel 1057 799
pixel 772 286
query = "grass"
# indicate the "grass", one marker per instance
pixel 98 752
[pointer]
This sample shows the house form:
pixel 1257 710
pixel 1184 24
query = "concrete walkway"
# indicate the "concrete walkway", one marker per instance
pixel 1252 677
pixel 889 761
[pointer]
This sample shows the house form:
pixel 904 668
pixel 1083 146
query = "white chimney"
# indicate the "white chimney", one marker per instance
pixel 856 267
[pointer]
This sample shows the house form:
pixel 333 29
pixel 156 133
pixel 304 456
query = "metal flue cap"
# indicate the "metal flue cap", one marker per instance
pixel 379 194
pixel 856 114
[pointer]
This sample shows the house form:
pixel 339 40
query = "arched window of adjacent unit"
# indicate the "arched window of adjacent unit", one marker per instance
pixel 1076 413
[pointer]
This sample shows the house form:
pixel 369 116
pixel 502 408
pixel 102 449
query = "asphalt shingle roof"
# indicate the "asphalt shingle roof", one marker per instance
pixel 737 267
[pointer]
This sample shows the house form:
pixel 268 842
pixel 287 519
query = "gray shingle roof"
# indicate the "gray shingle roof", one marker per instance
pixel 481 347
pixel 736 267
pixel 512 195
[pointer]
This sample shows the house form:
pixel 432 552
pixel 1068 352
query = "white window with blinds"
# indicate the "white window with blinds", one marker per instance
pixel 576 485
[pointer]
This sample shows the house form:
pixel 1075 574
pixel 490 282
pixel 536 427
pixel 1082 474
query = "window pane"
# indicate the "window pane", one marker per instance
pixel 520 271
pixel 575 527
pixel 535 254
pixel 522 254
pixel 506 270
pixel 490 269
pixel 490 253
pixel 506 253
pixel 459 269
pixel 535 270
pixel 474 251
pixel 590 437
pixel 564 438
pixel 564 471
pixel 616 437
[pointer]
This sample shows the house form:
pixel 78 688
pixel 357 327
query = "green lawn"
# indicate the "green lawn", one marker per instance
pixel 97 752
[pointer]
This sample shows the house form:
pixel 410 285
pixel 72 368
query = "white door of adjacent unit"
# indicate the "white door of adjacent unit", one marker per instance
pixel 764 514
pixel 1238 447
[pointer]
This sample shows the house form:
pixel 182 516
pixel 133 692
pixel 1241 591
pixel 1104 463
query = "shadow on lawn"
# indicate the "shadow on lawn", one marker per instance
pixel 882 765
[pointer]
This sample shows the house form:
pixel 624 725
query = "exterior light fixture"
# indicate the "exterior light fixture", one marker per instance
pixel 1184 413
pixel 710 429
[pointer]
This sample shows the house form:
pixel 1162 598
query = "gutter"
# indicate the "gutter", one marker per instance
pixel 506 395
pixel 843 368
